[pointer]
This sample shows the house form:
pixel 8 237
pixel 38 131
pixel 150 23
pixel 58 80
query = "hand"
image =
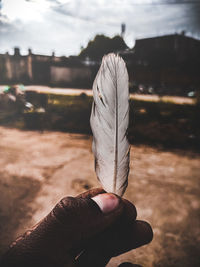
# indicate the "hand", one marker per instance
pixel 83 231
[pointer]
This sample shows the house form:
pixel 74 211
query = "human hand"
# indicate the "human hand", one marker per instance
pixel 87 230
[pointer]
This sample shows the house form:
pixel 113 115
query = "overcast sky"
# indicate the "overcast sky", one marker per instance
pixel 64 26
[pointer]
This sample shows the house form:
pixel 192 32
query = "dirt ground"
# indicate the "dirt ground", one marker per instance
pixel 38 169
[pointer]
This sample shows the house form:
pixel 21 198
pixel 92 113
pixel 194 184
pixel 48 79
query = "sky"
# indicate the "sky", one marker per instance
pixel 64 26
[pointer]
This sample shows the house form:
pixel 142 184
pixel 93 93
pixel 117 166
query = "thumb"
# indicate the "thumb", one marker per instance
pixel 66 228
pixel 84 217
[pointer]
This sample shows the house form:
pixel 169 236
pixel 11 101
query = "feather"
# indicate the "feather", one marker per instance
pixel 109 122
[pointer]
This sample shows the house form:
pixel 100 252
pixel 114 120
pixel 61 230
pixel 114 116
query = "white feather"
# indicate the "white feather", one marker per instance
pixel 109 122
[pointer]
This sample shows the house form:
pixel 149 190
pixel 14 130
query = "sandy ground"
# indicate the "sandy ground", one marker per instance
pixel 38 169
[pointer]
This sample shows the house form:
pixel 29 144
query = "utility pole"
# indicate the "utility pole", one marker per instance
pixel 123 29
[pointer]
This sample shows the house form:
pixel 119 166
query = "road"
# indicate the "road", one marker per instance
pixel 73 91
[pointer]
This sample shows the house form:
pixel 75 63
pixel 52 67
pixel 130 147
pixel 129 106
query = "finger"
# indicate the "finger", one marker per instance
pixel 92 192
pixel 113 244
pixel 125 234
pixel 129 212
pixel 94 247
pixel 129 264
pixel 71 222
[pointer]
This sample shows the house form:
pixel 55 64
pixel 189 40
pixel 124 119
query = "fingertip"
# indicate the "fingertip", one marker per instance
pixel 144 231
pixel 107 202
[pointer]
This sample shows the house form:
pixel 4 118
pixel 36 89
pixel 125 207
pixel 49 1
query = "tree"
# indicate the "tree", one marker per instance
pixel 102 45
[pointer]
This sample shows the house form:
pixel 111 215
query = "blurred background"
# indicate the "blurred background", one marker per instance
pixel 50 51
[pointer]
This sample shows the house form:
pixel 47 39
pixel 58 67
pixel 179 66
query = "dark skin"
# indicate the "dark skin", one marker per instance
pixel 78 232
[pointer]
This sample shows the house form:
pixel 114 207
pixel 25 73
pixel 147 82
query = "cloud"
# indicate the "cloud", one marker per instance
pixel 65 25
pixel 5 25
pixel 70 13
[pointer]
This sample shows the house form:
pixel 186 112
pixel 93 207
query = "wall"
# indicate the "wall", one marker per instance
pixel 39 69
pixel 67 74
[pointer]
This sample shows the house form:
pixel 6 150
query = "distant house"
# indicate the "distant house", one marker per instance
pixel 168 50
pixel 169 64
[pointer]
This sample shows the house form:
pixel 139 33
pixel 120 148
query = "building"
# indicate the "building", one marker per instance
pixel 169 63
pixel 165 65
pixel 168 50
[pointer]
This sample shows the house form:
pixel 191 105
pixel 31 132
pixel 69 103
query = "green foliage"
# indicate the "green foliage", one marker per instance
pixel 102 45
pixel 162 124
